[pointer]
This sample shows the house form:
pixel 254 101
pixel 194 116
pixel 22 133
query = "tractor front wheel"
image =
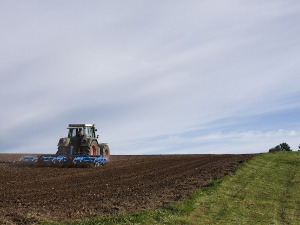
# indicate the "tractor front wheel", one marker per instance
pixel 62 150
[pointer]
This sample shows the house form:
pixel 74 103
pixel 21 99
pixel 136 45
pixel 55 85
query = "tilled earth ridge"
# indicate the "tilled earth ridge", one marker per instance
pixel 125 184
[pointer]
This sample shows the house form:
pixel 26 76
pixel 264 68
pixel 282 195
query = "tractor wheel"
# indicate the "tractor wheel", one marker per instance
pixel 104 151
pixel 92 150
pixel 62 150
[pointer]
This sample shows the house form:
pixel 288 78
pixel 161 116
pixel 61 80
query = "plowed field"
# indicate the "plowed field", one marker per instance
pixel 125 184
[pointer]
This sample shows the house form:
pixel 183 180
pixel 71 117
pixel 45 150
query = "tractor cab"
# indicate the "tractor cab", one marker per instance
pixel 82 130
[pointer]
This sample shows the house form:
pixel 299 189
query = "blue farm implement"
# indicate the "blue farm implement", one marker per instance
pixel 62 161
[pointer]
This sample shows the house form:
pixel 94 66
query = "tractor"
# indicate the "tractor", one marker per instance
pixel 82 140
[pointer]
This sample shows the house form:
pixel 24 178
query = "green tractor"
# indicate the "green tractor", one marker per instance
pixel 82 140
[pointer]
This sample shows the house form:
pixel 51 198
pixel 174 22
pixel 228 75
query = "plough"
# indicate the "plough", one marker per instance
pixel 63 161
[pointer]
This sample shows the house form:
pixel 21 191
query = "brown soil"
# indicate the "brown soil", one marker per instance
pixel 125 184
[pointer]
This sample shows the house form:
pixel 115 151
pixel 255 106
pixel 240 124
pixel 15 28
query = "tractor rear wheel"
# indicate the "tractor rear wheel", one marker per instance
pixel 93 149
pixel 104 151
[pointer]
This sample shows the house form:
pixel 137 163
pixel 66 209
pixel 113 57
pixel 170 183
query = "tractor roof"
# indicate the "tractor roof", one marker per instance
pixel 80 125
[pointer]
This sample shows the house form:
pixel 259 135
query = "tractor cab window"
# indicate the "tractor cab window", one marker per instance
pixel 93 132
pixel 89 132
pixel 72 132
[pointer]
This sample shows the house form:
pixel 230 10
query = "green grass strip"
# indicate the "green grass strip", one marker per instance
pixel 264 190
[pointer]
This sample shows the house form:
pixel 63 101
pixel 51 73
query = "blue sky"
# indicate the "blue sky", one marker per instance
pixel 156 77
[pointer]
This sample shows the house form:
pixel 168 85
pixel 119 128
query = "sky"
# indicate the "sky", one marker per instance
pixel 154 76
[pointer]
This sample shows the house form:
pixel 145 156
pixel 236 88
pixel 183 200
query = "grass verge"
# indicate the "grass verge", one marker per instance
pixel 264 190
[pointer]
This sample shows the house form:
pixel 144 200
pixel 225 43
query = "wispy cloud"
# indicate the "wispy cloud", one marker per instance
pixel 143 70
pixel 236 142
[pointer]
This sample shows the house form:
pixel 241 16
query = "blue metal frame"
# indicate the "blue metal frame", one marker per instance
pixel 28 158
pixel 94 159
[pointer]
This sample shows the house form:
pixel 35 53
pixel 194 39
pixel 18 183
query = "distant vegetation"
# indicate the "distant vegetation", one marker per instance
pixel 282 147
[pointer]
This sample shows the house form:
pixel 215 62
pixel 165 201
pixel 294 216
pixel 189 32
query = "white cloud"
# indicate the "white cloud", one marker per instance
pixel 143 69
pixel 237 142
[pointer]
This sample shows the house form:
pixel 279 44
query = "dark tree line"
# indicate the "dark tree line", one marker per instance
pixel 282 147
